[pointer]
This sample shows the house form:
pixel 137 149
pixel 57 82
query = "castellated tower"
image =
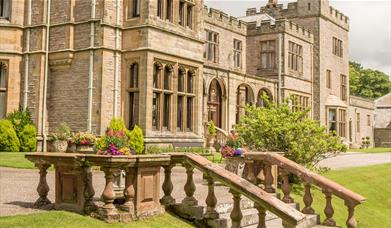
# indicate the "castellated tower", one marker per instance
pixel 331 41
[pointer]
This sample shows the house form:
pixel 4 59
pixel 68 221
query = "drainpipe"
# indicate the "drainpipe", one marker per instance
pixel 116 55
pixel 27 58
pixel 45 82
pixel 279 94
pixel 91 67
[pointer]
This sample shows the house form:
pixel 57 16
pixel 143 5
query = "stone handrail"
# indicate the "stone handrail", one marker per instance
pixel 221 138
pixel 286 167
pixel 238 186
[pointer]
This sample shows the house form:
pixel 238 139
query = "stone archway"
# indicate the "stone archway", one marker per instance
pixel 244 96
pixel 215 103
pixel 261 99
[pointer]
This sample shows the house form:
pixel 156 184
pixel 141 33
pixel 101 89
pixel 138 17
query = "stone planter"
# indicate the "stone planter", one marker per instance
pixel 57 146
pixel 211 141
pixel 235 164
pixel 85 149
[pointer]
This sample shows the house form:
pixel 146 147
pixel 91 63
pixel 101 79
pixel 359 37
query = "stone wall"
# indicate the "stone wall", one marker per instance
pixel 361 119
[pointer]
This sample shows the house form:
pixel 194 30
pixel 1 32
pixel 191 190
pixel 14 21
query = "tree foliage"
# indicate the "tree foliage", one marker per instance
pixel 367 82
pixel 277 128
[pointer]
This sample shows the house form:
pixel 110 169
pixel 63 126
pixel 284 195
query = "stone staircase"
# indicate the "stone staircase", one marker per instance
pixel 250 216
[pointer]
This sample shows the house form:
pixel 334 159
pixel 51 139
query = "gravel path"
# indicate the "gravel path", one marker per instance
pixel 353 159
pixel 18 186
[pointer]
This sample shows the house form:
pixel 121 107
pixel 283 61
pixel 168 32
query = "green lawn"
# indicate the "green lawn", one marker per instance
pixel 372 150
pixel 68 219
pixel 15 160
pixel 372 182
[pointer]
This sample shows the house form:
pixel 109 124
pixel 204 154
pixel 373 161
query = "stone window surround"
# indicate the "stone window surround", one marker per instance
pixel 237 49
pixel 3 88
pixel 369 120
pixel 268 54
pixel 212 46
pixel 339 121
pixel 328 79
pixel 5 9
pixel 337 47
pixel 133 94
pixel 344 87
pixel 161 93
pixel 299 102
pixel 295 57
pixel 134 8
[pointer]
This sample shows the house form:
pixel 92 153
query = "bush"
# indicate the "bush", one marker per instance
pixel 9 141
pixel 136 140
pixel 117 124
pixel 19 119
pixel 28 138
pixel 212 128
pixel 277 128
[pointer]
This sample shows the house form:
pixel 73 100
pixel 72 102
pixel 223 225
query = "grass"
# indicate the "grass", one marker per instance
pixel 15 160
pixel 68 220
pixel 372 150
pixel 372 182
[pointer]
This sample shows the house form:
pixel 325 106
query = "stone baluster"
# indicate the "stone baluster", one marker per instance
pixel 167 187
pixel 351 221
pixel 89 191
pixel 261 216
pixel 328 210
pixel 129 191
pixel 108 210
pixel 259 174
pixel 249 171
pixel 236 213
pixel 189 187
pixel 307 199
pixel 211 200
pixel 286 187
pixel 43 187
pixel 268 178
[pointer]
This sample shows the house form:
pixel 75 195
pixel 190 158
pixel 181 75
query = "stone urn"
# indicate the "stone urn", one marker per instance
pixel 210 141
pixel 58 146
pixel 85 149
pixel 235 164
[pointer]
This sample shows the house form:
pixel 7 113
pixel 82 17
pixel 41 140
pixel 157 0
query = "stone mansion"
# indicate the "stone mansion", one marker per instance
pixel 170 66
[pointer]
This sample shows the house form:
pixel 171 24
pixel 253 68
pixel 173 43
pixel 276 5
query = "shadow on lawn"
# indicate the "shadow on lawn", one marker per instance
pixel 31 205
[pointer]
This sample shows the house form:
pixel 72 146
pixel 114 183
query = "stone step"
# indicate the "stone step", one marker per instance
pixel 311 221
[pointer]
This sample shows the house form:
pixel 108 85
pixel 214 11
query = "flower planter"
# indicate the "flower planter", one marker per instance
pixel 85 149
pixel 57 146
pixel 235 164
pixel 211 141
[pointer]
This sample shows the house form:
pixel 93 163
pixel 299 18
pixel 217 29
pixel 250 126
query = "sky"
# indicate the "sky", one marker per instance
pixel 370 27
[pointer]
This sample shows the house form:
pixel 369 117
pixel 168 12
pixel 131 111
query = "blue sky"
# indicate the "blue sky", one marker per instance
pixel 370 27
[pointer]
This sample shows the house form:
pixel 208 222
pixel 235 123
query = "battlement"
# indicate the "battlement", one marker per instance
pixel 334 13
pixel 219 18
pixel 280 26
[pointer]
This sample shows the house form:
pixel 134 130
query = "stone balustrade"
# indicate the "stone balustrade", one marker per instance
pixel 286 167
pixel 238 186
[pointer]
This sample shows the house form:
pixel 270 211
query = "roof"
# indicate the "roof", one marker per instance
pixel 384 101
pixel 333 100
pixel 258 18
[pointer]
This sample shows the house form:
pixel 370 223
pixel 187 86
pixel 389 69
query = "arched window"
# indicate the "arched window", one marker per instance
pixel 190 76
pixel 133 95
pixel 181 79
pixel 215 103
pixel 162 98
pixel 167 77
pixel 244 96
pixel 3 89
pixel 262 95
pixel 157 75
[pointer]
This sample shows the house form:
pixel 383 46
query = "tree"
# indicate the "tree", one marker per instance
pixel 367 82
pixel 277 128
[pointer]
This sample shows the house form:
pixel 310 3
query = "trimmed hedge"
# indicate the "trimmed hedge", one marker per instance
pixel 8 139
pixel 28 138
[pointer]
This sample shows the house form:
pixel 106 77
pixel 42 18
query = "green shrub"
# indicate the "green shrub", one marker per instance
pixel 277 128
pixel 136 140
pixel 8 139
pixel 28 138
pixel 212 128
pixel 19 119
pixel 117 124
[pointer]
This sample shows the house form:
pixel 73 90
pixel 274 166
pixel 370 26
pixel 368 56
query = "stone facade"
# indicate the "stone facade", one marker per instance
pixel 171 66
pixel 382 124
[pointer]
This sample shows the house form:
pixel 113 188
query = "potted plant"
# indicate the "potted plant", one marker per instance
pixel 84 142
pixel 58 140
pixel 231 151
pixel 211 134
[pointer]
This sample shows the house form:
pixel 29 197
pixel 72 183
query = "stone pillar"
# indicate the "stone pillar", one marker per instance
pixel 43 187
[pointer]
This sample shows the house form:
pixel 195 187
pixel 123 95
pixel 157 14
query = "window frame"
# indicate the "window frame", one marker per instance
pixel 337 47
pixel 269 53
pixel 5 10
pixel 295 57
pixel 237 49
pixel 344 87
pixel 133 95
pixel 212 46
pixel 328 79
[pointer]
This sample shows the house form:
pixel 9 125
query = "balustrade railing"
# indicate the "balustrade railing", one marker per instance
pixel 263 201
pixel 308 179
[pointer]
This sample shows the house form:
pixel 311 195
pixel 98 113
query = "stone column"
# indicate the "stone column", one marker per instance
pixel 43 187
pixel 108 211
pixel 89 192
